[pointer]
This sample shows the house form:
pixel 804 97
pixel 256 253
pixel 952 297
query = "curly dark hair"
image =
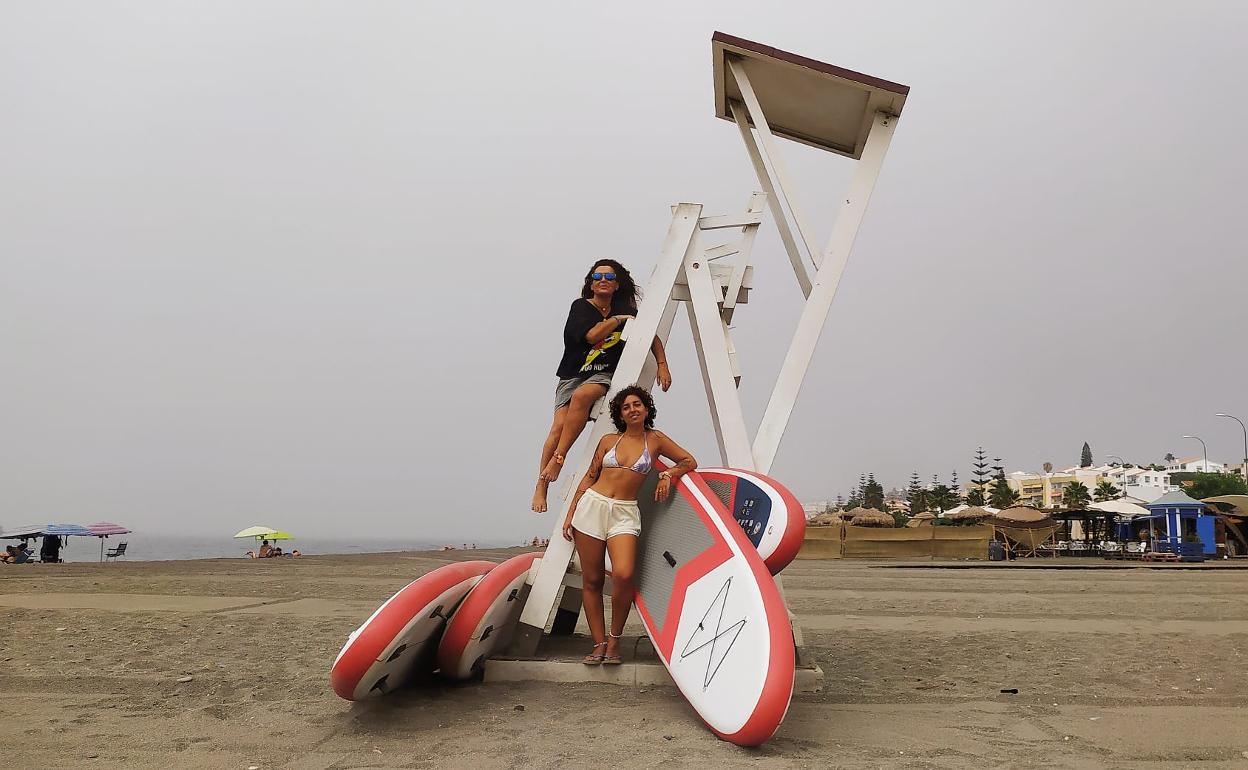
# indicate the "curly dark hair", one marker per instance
pixel 627 293
pixel 617 406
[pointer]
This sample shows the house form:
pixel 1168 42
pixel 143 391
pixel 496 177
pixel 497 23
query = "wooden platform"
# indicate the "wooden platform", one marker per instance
pixel 558 659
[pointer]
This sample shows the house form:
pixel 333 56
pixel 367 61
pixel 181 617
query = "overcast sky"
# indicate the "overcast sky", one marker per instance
pixel 306 264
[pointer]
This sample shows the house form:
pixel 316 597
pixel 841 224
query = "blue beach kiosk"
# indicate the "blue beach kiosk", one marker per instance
pixel 1184 516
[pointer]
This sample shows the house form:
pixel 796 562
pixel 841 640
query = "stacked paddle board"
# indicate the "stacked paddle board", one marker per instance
pixel 713 611
pixel 771 517
pixel 452 617
pixel 705 595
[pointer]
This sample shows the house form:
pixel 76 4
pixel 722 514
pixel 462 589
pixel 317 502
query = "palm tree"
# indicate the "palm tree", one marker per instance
pixel 1076 495
pixel 1105 490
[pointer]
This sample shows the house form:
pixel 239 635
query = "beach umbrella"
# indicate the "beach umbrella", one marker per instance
pixel 826 519
pixel 24 532
pixel 103 529
pixel 1120 507
pixel 260 532
pixel 921 519
pixel 970 513
pixel 65 530
pixel 1022 513
pixel 1236 505
pixel 870 517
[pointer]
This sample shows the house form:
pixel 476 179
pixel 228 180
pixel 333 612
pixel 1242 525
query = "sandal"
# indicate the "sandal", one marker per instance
pixel 594 659
pixel 612 660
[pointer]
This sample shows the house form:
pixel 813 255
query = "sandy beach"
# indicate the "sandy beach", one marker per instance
pixel 224 664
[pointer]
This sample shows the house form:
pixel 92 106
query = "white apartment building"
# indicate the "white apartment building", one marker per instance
pixel 813 509
pixel 1141 483
pixel 1196 465
pixel 1045 490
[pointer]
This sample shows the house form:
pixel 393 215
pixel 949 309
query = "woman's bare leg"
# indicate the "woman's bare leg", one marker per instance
pixel 548 451
pixel 574 420
pixel 593 575
pixel 623 550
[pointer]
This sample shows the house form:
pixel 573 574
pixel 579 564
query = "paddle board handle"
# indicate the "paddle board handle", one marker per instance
pixel 671 560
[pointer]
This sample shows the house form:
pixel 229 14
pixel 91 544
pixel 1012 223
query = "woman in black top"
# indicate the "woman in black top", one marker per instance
pixel 591 351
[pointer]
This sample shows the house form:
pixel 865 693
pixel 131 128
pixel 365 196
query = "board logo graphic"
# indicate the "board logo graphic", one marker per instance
pixel 722 639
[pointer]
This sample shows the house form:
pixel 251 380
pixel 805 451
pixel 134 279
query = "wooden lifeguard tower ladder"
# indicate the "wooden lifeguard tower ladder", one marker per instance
pixel 769 95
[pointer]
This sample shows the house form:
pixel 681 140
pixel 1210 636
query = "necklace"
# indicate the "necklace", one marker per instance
pixel 605 311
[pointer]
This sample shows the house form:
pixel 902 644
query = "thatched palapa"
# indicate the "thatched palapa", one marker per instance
pixel 825 519
pixel 870 517
pixel 972 513
pixel 921 519
pixel 1023 514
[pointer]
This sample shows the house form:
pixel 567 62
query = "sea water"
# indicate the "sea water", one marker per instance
pixel 161 547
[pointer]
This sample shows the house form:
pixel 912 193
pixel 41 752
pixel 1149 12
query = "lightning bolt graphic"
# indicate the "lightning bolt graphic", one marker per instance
pixel 712 664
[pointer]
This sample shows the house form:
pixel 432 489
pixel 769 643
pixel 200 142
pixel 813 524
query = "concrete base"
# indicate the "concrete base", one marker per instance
pixel 559 660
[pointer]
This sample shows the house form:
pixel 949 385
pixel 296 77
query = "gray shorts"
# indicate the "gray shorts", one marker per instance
pixel 565 388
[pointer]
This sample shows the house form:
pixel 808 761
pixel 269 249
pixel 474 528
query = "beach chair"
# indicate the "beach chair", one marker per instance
pixel 113 553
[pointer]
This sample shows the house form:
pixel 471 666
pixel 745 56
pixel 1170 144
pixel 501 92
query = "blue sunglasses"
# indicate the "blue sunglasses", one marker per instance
pixel 602 276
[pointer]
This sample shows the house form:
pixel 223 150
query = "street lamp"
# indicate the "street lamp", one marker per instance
pixel 1241 424
pixel 1205 449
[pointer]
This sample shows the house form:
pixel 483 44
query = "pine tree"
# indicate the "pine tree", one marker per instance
pixel 873 493
pixel 1085 459
pixel 955 490
pixel 979 476
pixel 916 494
pixel 1002 495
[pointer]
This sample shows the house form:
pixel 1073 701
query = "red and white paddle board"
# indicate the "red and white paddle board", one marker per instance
pixel 771 517
pixel 486 619
pixel 401 637
pixel 713 612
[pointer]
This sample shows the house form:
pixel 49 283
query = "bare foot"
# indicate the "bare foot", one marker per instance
pixel 551 471
pixel 539 497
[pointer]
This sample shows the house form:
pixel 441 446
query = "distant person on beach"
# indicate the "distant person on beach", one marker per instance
pixel 51 550
pixel 592 346
pixel 604 517
pixel 271 552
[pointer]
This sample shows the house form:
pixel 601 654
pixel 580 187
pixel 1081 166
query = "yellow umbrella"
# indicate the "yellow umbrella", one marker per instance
pixel 265 533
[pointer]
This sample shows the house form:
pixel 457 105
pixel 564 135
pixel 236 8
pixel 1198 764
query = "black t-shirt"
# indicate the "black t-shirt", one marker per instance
pixel 580 359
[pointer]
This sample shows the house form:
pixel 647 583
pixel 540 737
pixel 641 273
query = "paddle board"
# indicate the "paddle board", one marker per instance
pixel 401 637
pixel 713 611
pixel 770 516
pixel 486 619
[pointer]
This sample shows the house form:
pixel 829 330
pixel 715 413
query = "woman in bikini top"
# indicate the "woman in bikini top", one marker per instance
pixel 604 517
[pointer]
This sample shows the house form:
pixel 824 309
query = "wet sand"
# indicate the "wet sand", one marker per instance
pixel 1115 668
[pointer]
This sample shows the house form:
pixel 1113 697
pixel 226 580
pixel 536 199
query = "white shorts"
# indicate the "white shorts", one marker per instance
pixel 602 517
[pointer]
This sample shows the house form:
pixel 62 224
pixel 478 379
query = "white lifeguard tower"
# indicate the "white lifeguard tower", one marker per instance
pixel 704 265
